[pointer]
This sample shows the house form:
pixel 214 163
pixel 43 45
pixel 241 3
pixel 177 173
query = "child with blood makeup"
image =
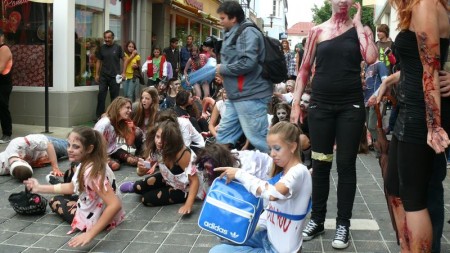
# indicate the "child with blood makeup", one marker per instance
pixel 288 192
pixel 336 111
pixel 422 47
pixel 97 207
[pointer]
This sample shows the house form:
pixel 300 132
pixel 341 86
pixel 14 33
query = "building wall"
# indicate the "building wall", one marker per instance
pixel 70 105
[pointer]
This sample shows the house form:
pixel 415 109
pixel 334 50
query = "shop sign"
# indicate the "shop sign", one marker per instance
pixel 195 3
pixel 13 3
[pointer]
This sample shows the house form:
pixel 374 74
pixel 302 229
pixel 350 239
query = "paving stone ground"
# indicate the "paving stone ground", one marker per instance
pixel 163 230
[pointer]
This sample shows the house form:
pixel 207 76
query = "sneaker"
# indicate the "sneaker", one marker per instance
pixel 312 230
pixel 127 187
pixel 51 179
pixel 340 240
pixel 5 139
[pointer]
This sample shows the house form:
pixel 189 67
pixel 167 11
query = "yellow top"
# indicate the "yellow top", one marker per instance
pixel 129 70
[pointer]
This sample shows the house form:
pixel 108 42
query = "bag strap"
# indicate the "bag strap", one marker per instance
pixel 294 217
pixel 240 30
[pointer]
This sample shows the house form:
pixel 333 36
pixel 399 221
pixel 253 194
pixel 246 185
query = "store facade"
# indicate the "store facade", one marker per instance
pixel 74 30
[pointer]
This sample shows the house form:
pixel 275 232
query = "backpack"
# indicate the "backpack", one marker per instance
pixel 274 65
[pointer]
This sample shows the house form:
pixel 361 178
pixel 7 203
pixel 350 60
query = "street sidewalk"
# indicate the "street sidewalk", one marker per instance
pixel 163 230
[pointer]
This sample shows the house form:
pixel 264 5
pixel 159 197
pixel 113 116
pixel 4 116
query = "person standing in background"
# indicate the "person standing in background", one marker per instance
pixel 107 66
pixel 6 62
pixel 173 55
pixel 185 53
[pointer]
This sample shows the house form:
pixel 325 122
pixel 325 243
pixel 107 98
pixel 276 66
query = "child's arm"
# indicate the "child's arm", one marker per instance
pixel 53 160
pixel 33 185
pixel 193 184
pixel 113 206
pixel 193 190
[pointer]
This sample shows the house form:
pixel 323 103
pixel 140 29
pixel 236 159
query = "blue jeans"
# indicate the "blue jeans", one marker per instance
pixel 129 87
pixel 248 117
pixel 60 146
pixel 435 201
pixel 258 243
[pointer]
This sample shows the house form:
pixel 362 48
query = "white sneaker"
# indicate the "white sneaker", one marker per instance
pixel 5 139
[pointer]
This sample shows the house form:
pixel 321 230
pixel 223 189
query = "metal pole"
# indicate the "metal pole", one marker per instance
pixel 46 98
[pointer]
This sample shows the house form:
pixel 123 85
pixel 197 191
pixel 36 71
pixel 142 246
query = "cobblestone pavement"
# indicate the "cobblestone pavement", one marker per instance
pixel 163 230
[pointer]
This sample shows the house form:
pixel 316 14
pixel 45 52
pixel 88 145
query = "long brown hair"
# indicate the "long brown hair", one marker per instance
pixel 96 159
pixel 149 145
pixel 139 115
pixel 289 133
pixel 113 113
pixel 172 140
pixel 404 11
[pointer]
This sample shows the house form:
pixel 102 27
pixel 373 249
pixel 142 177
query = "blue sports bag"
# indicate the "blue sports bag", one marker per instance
pixel 230 211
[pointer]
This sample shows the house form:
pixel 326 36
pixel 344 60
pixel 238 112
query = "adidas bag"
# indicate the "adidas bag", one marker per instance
pixel 230 211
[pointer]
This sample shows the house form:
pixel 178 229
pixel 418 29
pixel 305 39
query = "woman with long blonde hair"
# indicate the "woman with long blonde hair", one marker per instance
pixel 418 136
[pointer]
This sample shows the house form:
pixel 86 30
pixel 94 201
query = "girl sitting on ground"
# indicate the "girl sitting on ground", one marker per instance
pixel 144 114
pixel 289 195
pixel 116 123
pixel 177 180
pixel 97 206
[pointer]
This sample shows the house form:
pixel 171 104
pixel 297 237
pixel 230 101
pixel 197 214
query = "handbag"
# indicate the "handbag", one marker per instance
pixel 27 203
pixel 230 211
pixel 138 74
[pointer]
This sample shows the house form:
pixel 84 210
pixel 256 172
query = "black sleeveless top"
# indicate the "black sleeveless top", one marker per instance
pixel 337 75
pixel 5 79
pixel 411 121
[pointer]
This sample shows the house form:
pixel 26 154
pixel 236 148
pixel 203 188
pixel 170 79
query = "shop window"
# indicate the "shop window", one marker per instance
pixel 181 30
pixel 23 24
pixel 206 29
pixel 89 28
pixel 195 31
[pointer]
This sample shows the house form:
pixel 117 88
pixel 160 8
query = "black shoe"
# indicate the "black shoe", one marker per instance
pixel 312 230
pixel 340 240
pixel 52 179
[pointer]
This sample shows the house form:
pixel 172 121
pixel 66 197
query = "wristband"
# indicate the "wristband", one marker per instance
pixel 57 188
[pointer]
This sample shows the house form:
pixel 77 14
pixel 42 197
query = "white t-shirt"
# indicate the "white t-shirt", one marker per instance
pixel 107 130
pixel 254 162
pixel 190 134
pixel 29 148
pixel 288 97
pixel 286 235
pixel 221 107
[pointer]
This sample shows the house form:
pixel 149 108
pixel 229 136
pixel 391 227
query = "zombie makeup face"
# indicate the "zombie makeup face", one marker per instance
pixel 282 114
pixel 304 101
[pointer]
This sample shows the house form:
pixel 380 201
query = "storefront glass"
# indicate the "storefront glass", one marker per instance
pixel 205 31
pixel 181 30
pixel 23 23
pixel 195 31
pixel 89 28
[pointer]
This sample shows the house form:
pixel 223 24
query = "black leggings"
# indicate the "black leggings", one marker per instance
pixel 328 124
pixel 155 192
pixel 65 206
pixel 409 172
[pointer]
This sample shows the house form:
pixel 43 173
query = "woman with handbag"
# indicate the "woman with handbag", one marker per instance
pixel 131 64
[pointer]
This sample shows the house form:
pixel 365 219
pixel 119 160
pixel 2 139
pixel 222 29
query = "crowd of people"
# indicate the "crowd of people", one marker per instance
pixel 208 112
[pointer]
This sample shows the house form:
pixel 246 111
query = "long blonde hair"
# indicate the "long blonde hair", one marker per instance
pixel 404 11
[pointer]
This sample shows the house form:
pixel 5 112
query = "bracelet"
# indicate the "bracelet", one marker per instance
pixel 57 188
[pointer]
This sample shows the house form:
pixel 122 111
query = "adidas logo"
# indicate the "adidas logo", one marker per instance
pixel 215 227
pixel 234 235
